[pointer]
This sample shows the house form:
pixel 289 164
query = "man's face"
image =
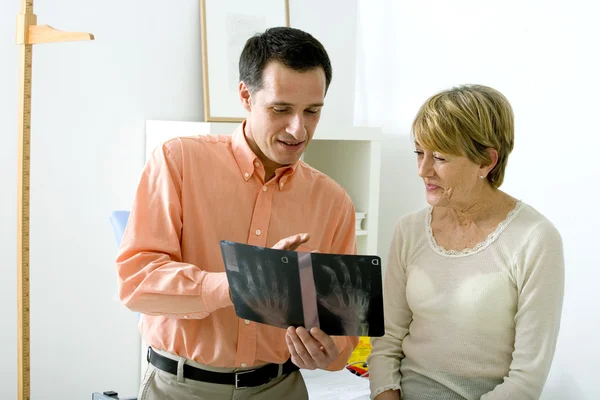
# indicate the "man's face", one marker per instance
pixel 283 114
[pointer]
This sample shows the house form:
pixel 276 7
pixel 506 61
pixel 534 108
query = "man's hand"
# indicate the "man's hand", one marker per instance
pixel 293 242
pixel 311 350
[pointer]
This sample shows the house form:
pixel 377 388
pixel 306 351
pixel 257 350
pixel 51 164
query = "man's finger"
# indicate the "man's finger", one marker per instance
pixel 293 354
pixel 301 239
pixel 297 240
pixel 329 346
pixel 301 350
pixel 292 242
pixel 314 347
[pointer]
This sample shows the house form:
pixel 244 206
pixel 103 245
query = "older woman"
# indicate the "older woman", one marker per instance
pixel 474 282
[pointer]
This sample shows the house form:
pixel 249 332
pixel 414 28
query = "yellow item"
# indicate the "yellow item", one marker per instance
pixel 357 363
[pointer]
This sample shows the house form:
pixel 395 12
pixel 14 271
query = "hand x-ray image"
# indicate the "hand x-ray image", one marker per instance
pixel 260 285
pixel 341 294
pixel 349 296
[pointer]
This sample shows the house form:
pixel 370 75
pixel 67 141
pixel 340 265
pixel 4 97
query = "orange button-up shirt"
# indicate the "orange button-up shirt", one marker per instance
pixel 193 193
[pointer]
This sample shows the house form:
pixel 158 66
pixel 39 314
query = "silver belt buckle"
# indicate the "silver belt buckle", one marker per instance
pixel 237 379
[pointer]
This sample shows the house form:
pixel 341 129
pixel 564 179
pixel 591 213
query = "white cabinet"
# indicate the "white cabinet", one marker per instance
pixel 355 165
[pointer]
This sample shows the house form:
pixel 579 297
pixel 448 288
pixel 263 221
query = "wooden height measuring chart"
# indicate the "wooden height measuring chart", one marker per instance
pixel 28 34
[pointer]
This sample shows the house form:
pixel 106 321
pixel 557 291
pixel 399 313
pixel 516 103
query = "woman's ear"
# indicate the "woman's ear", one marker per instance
pixel 484 169
pixel 245 96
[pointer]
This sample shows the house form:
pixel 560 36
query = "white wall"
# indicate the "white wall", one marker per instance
pixel 544 56
pixel 90 101
pixel 339 43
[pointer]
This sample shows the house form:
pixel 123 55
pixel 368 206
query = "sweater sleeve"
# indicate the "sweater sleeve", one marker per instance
pixel 539 272
pixel 386 354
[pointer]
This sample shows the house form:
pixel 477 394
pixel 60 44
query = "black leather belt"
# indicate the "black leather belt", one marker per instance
pixel 241 379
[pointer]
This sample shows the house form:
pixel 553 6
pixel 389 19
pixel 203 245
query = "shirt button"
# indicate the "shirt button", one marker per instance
pixel 258 232
pixel 246 174
pixel 246 322
pixel 264 188
pixel 244 365
pixel 257 164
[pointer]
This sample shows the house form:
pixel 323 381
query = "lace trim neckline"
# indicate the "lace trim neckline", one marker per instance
pixel 479 246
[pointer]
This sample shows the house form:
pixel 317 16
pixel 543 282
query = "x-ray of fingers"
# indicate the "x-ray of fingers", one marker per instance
pixel 341 294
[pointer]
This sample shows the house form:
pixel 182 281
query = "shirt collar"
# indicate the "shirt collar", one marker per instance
pixel 248 162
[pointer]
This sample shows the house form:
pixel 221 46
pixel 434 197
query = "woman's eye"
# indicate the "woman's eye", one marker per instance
pixel 279 110
pixel 421 153
pixel 312 111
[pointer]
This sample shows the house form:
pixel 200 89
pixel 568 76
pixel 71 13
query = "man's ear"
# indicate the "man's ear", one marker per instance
pixel 245 97
pixel 486 168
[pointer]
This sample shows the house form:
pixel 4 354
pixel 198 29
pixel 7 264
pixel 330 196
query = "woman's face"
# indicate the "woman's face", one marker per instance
pixel 450 181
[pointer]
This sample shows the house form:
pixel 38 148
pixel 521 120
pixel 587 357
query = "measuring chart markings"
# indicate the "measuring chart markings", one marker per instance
pixel 28 34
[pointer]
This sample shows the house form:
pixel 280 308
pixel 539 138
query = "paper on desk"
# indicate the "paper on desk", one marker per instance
pixel 337 385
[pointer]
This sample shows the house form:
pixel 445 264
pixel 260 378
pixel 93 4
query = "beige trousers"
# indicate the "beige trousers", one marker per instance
pixel 161 385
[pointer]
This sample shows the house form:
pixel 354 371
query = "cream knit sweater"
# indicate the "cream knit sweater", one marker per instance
pixel 476 324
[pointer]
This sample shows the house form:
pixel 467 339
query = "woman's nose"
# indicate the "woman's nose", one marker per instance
pixel 425 167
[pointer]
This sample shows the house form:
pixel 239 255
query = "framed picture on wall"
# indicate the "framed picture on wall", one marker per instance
pixel 225 27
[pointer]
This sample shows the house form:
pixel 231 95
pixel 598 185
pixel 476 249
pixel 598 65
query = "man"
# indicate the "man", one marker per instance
pixel 250 187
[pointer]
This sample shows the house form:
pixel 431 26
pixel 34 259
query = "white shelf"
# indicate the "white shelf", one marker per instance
pixel 355 165
pixel 158 132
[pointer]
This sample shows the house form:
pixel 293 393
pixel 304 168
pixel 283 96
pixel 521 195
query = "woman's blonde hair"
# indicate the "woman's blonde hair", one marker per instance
pixel 466 121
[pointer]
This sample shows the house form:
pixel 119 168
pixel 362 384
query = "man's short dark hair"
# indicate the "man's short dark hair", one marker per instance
pixel 292 47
